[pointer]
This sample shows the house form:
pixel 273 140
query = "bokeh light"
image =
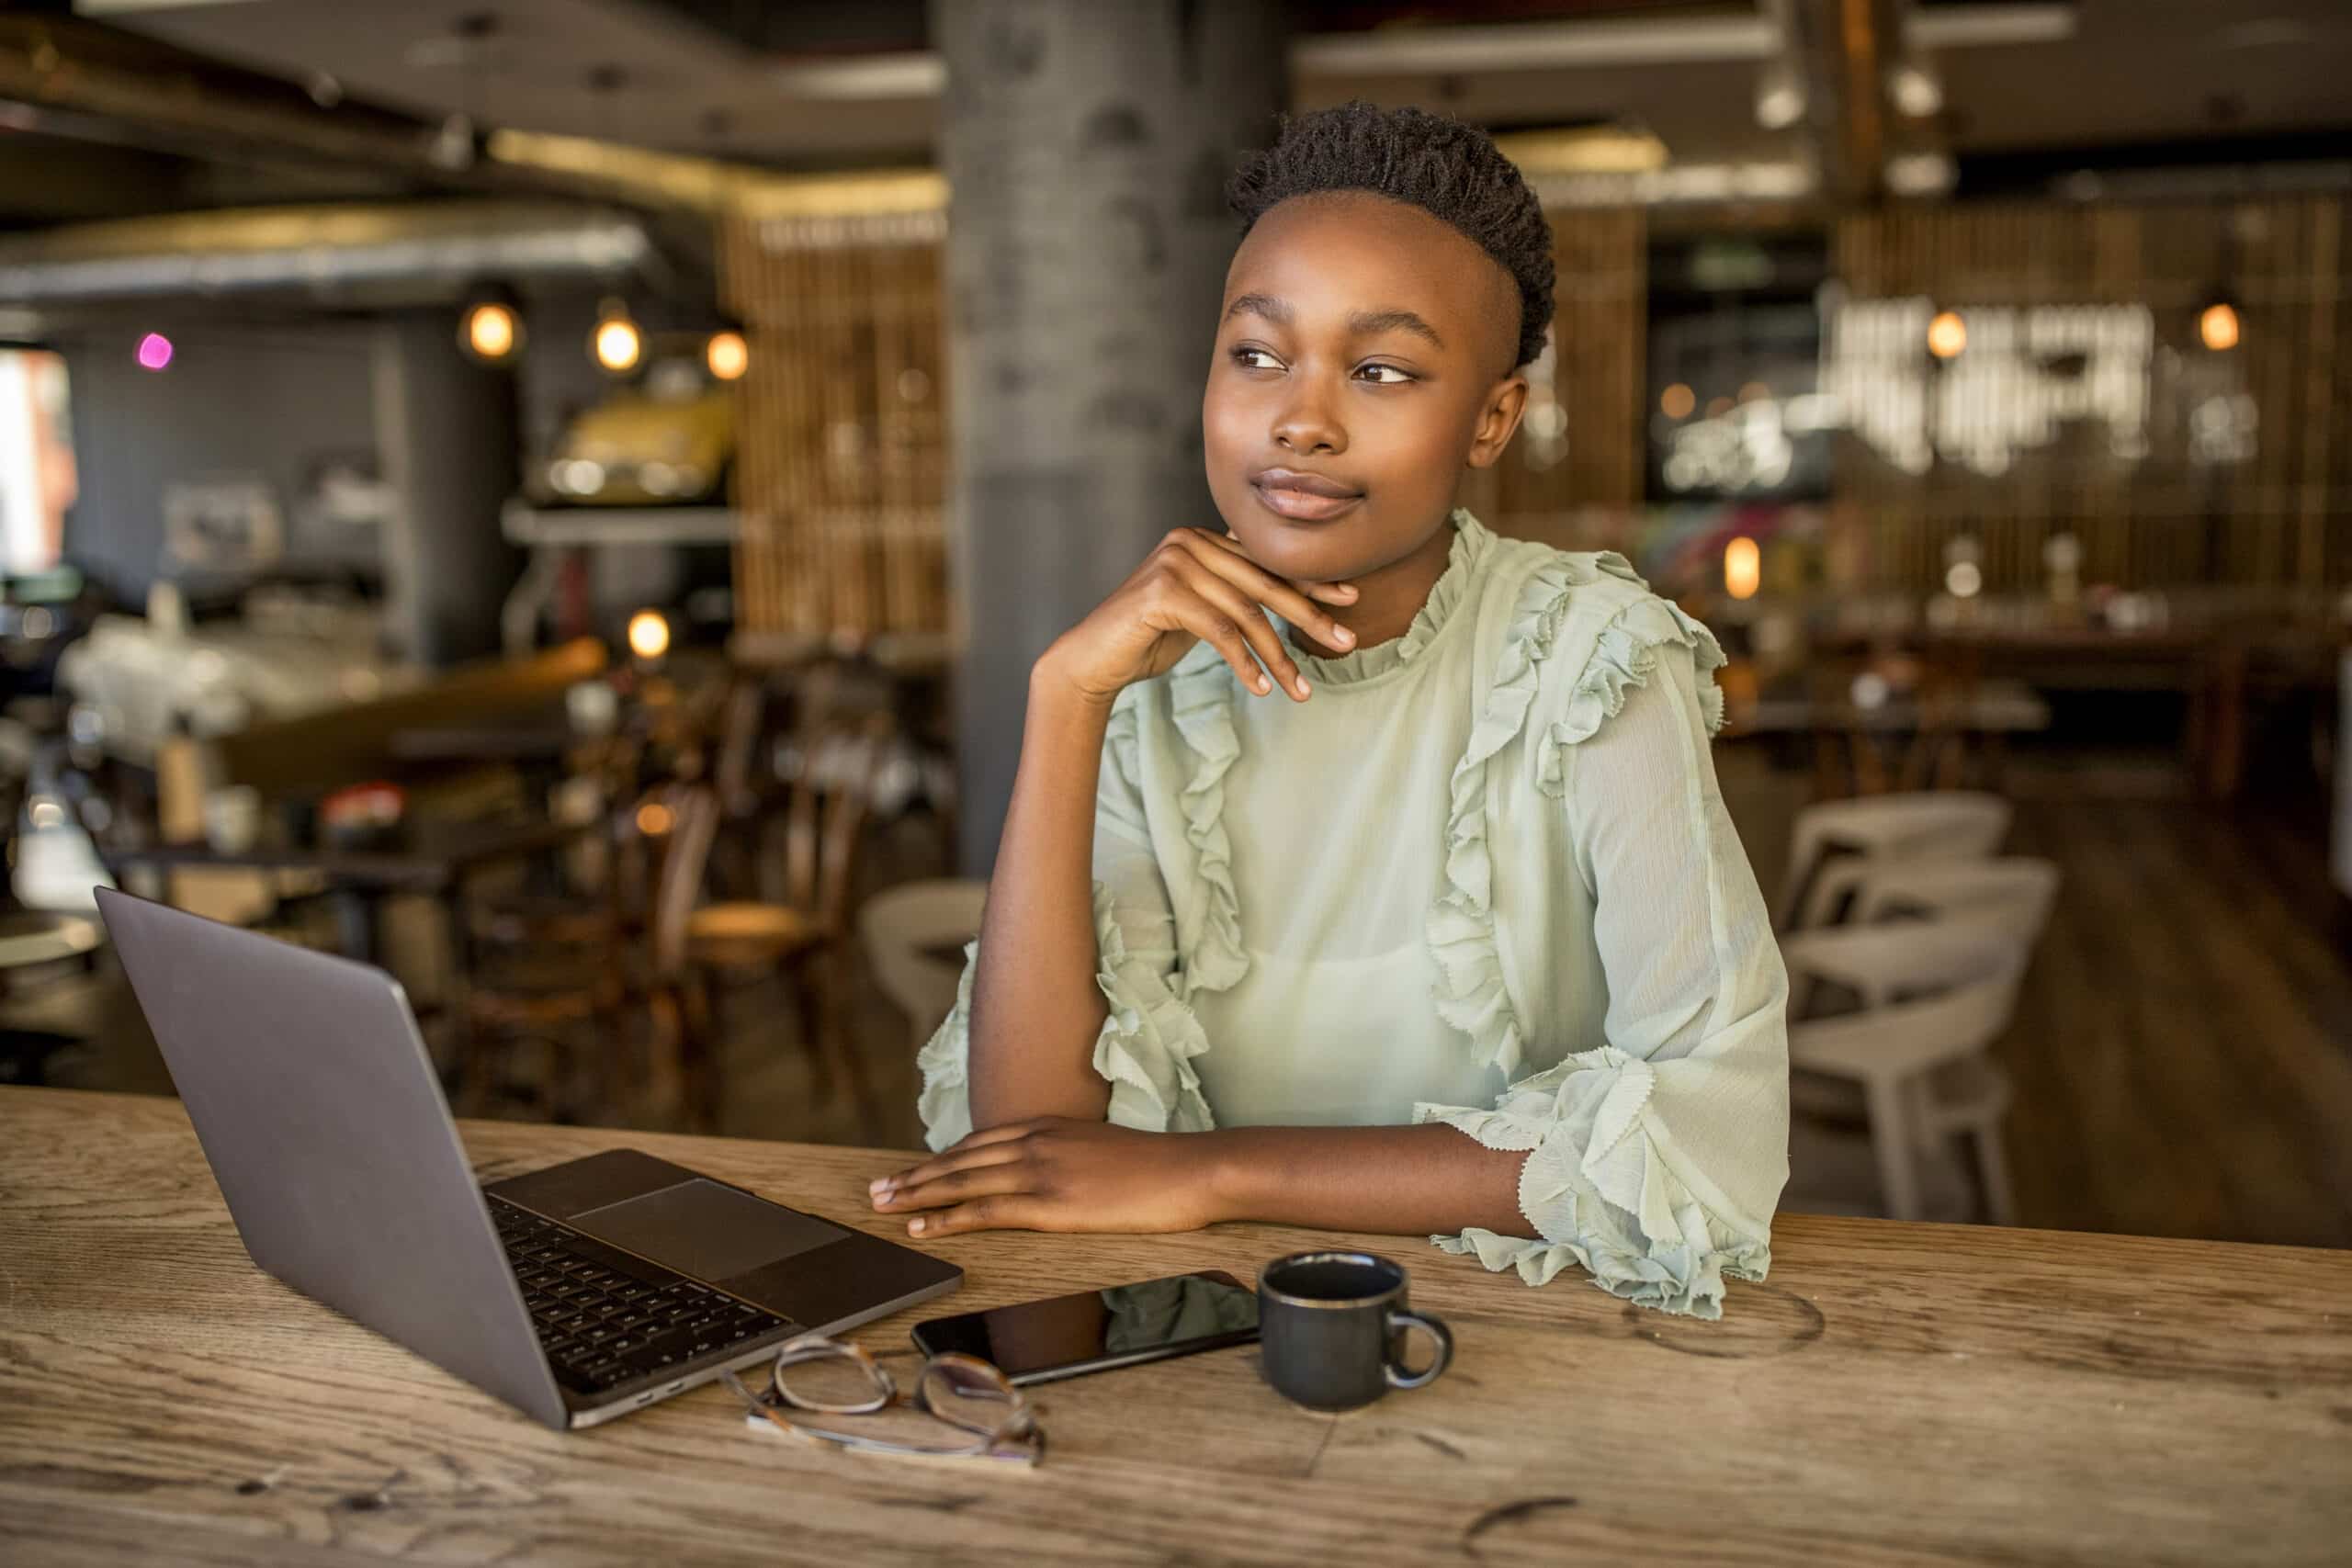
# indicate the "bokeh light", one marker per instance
pixel 1743 567
pixel 649 634
pixel 1947 335
pixel 493 332
pixel 728 356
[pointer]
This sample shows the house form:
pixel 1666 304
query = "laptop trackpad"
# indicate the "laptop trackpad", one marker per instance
pixel 701 1228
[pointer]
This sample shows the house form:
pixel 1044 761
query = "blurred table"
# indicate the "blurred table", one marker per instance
pixel 1994 707
pixel 541 743
pixel 33 939
pixel 1897 1393
pixel 429 857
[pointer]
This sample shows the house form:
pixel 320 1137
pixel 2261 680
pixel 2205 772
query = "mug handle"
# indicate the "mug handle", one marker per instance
pixel 1441 1337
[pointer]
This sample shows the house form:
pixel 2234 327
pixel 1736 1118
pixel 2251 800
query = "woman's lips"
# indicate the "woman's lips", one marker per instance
pixel 1302 506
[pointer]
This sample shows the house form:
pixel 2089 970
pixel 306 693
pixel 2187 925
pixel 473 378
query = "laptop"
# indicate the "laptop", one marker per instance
pixel 575 1293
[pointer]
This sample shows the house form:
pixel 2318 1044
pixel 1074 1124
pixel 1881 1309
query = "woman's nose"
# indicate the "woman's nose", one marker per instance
pixel 1306 426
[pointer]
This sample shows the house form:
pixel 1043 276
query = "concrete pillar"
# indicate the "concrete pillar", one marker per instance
pixel 1086 144
pixel 445 432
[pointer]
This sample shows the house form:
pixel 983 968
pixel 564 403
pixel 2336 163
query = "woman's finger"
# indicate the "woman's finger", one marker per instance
pixel 998 1133
pixel 1178 605
pixel 999 1212
pixel 1001 1153
pixel 1276 593
pixel 1325 593
pixel 958 1186
pixel 1245 612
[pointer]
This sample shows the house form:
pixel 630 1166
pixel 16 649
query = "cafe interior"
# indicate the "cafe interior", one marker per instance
pixel 556 499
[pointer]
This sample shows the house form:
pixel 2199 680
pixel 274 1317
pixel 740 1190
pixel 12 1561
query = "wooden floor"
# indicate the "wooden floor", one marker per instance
pixel 2182 1055
pixel 2183 1052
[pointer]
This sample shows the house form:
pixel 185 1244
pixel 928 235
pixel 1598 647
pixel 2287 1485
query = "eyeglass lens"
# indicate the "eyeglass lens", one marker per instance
pixel 974 1397
pixel 834 1382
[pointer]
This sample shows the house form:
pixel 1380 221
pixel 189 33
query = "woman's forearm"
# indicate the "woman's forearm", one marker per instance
pixel 1035 1007
pixel 1391 1180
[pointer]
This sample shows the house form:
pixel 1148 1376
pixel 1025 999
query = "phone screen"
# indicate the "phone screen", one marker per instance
pixel 1091 1330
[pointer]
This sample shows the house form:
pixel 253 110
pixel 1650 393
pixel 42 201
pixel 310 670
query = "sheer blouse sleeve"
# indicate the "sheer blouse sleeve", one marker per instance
pixel 1149 1038
pixel 1655 1161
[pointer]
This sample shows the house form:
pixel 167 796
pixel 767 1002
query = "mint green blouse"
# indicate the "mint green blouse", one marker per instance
pixel 1483 876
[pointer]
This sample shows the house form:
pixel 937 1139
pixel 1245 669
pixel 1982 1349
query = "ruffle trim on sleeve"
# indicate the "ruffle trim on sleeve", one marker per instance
pixel 1148 1039
pixel 1597 1193
pixel 1621 660
pixel 1200 694
pixel 1144 1051
pixel 1470 994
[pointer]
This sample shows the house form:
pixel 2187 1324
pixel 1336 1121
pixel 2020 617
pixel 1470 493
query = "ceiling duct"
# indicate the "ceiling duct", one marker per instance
pixel 431 250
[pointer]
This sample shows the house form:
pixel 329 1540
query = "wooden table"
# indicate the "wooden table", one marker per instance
pixel 430 857
pixel 1897 1394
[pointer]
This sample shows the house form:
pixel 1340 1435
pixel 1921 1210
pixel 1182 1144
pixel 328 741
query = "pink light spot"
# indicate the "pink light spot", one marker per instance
pixel 154 352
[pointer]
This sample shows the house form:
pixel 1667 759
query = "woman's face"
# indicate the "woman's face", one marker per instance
pixel 1364 357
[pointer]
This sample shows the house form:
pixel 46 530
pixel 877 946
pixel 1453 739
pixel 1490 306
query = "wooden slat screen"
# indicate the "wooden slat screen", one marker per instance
pixel 2275 519
pixel 843 440
pixel 842 445
pixel 1597 374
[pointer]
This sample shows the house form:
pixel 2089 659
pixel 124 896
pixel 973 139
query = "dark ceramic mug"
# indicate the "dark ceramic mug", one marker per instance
pixel 1333 1324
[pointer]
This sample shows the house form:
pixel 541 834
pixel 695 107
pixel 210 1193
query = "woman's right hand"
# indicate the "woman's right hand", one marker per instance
pixel 1196 586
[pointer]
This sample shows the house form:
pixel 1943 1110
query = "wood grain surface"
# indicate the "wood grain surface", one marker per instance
pixel 1896 1394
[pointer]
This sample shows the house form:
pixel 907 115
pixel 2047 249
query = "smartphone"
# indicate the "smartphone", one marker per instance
pixel 1092 1331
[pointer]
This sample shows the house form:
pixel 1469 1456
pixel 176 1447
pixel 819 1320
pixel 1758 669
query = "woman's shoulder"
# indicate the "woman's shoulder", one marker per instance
pixel 1592 631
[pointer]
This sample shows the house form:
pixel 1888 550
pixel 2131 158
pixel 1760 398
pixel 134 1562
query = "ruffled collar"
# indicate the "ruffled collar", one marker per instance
pixel 1452 586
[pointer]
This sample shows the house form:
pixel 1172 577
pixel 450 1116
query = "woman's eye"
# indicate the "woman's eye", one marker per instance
pixel 1248 359
pixel 1383 374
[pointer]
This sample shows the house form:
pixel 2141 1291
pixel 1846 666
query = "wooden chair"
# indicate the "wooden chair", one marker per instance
pixel 556 967
pixel 802 939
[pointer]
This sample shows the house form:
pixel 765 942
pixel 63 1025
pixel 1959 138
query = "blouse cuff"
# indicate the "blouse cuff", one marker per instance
pixel 1144 1050
pixel 1597 1193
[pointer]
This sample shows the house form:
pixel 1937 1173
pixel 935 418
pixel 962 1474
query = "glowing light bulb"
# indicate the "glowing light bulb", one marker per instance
pixel 649 634
pixel 1947 335
pixel 492 331
pixel 617 344
pixel 728 356
pixel 2218 327
pixel 654 820
pixel 1743 567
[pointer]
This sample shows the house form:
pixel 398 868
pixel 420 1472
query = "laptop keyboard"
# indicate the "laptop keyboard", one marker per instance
pixel 605 1318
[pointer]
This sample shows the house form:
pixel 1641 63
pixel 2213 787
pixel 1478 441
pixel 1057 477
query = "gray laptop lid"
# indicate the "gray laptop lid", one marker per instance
pixel 326 1129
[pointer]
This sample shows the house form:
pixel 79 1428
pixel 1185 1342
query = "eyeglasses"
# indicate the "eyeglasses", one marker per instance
pixel 833 1391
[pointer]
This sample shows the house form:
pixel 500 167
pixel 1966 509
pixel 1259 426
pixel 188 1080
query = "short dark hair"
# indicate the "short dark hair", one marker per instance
pixel 1449 170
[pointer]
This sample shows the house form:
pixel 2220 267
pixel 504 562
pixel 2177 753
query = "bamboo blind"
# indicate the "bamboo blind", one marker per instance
pixel 842 424
pixel 1597 374
pixel 2277 518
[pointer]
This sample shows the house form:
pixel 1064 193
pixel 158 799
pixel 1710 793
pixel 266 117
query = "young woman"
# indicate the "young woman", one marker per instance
pixel 1418 911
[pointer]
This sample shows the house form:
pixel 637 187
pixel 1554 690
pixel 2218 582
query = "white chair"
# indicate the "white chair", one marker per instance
pixel 1832 841
pixel 910 933
pixel 1935 995
pixel 2016 891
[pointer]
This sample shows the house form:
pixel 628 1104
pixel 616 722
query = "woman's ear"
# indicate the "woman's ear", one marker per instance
pixel 1497 420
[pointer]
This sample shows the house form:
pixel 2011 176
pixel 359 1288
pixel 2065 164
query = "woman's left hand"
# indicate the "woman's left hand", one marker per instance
pixel 1057 1173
